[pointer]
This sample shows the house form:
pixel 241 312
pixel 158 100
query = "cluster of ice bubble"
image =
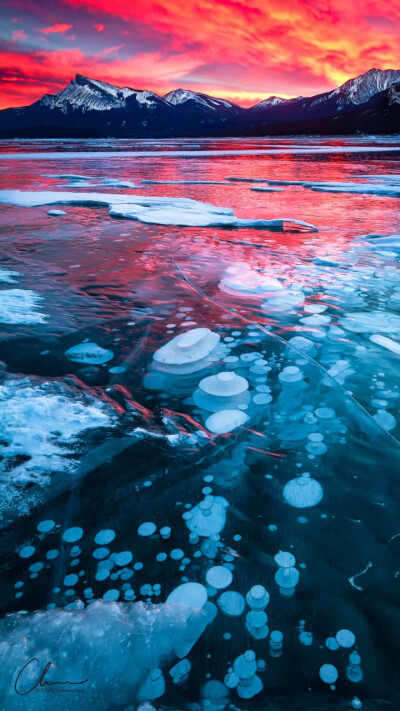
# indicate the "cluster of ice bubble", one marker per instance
pixel 41 424
pixel 181 212
pixel 344 639
pixel 287 576
pixel 242 675
pixel 119 651
pixel 208 517
pixel 88 352
pixel 241 279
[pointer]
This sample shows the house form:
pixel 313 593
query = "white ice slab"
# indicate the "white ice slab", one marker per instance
pixel 182 212
pixel 20 306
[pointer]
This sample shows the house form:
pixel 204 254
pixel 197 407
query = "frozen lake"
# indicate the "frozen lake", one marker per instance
pixel 262 450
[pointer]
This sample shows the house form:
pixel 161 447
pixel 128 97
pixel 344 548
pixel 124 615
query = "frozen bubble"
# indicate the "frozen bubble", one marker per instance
pixel 316 320
pixel 315 308
pixel 27 551
pixel 386 343
pixel 219 577
pixel 45 526
pixel 100 553
pixel 262 399
pixel 124 558
pixel 285 559
pixel 256 619
pixel 306 638
pixel 165 532
pixel 105 536
pixel 147 528
pixel 111 594
pixel 325 413
pixel 303 492
pixel 385 420
pixel 225 384
pixel 177 554
pixel 245 665
pixel 287 578
pixel 225 421
pixel 71 535
pixel 117 369
pixel 301 343
pixel 231 603
pixel 88 352
pixel 331 644
pixel 257 597
pixel 345 638
pixel 290 374
pixel 52 554
pixel 328 673
pixel 70 580
pixel 188 347
pixel 188 595
pixel 36 567
pixel 231 680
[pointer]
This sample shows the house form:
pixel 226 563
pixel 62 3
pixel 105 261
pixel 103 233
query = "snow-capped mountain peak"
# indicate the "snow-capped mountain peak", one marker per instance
pixel 361 89
pixel 271 101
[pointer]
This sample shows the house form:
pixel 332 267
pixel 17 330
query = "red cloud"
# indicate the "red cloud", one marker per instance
pixel 99 28
pixel 57 29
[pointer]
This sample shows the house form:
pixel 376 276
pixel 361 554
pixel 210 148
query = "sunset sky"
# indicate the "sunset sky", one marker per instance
pixel 242 50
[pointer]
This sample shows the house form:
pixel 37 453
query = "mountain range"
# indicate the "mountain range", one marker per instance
pixel 370 103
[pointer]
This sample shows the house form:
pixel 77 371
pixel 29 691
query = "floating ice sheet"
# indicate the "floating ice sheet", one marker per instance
pixel 180 212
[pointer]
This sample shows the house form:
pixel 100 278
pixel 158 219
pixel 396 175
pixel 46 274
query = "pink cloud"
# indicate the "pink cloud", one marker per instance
pixel 18 35
pixel 59 28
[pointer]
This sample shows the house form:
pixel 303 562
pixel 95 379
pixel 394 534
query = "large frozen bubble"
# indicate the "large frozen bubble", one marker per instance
pixel 88 352
pixel 303 492
pixel 189 348
pixel 225 421
pixel 224 385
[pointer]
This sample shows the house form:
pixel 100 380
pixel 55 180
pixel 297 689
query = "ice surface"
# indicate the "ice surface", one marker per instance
pixel 56 213
pixel 118 649
pixel 288 150
pixel 181 212
pixel 41 426
pixel 88 352
pixel 20 306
